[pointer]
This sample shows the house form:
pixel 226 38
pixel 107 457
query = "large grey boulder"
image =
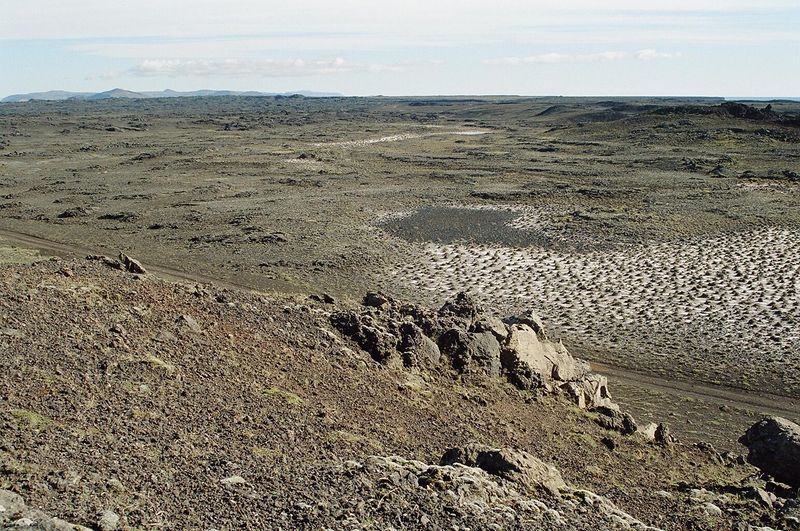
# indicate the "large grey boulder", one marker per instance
pixel 774 447
pixel 512 465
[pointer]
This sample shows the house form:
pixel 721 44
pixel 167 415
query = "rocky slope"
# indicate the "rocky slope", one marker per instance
pixel 131 402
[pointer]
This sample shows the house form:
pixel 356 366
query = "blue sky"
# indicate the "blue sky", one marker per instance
pixel 361 47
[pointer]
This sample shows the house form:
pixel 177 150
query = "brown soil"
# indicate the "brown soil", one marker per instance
pixel 140 396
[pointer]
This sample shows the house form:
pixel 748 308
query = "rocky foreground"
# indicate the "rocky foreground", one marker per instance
pixel 130 402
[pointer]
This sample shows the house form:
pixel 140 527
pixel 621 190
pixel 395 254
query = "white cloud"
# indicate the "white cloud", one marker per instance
pixel 554 58
pixel 252 68
pixel 650 54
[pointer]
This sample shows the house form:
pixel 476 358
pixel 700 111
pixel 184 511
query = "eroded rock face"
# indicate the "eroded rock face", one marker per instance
pixel 774 447
pixel 370 335
pixel 590 392
pixel 550 360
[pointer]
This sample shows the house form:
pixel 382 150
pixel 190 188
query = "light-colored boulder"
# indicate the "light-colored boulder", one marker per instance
pixel 551 360
pixel 513 465
pixel 590 392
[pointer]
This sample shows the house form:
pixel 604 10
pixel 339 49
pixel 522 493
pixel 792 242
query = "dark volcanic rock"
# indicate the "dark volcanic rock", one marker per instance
pixel 774 447
pixel 613 419
pixel 471 352
pixel 126 217
pixel 76 212
pixel 373 338
pixel 417 348
pixel 463 306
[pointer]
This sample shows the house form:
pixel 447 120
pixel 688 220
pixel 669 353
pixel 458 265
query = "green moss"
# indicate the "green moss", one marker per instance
pixel 158 362
pixel 291 398
pixel 32 419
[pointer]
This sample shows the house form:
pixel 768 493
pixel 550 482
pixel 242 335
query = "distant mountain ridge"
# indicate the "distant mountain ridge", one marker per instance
pixel 118 93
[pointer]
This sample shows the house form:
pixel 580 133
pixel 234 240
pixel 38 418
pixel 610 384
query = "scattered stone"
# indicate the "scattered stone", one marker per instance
pixel 774 447
pixel 125 217
pixel 106 261
pixel 108 521
pixel 323 298
pixel 164 336
pixel 781 490
pixel 761 496
pixel 609 443
pixel 15 514
pixel 11 503
pixel 190 323
pixel 12 332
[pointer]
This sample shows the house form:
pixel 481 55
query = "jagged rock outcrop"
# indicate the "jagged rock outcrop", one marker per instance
pixel 774 447
pixel 589 392
pixel 474 343
pixel 132 265
pixel 550 360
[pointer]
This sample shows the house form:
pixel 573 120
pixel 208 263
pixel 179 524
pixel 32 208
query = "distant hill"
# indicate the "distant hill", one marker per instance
pixel 115 93
pixel 52 95
pixel 118 93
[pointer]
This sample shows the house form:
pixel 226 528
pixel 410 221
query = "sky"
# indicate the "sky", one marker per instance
pixel 731 48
